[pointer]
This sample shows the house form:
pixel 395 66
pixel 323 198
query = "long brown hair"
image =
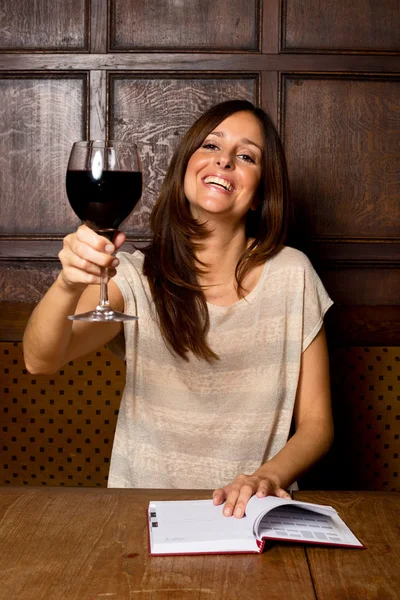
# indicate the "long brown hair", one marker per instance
pixel 170 264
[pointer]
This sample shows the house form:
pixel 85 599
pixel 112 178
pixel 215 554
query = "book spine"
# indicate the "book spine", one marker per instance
pixel 260 545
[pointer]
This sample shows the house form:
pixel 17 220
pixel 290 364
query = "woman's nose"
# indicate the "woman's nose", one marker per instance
pixel 224 162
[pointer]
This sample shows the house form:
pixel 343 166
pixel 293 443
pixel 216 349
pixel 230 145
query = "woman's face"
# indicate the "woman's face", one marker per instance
pixel 223 175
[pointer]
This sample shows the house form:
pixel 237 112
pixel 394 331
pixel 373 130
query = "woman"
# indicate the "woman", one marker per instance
pixel 229 344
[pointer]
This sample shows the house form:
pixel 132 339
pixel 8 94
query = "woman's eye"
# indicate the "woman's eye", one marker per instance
pixel 209 146
pixel 247 158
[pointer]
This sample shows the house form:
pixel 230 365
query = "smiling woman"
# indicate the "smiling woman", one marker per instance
pixel 242 225
pixel 223 175
pixel 229 345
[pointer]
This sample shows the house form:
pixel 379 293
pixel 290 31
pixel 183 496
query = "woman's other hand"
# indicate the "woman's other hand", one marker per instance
pixel 85 253
pixel 237 493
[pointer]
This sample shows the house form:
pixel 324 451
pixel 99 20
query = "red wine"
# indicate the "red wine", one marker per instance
pixel 104 203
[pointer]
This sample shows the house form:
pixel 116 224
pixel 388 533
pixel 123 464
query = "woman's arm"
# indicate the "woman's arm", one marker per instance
pixel 50 339
pixel 313 437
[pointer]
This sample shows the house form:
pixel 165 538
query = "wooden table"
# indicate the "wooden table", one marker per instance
pixel 370 574
pixel 87 543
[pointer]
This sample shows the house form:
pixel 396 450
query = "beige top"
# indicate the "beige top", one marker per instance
pixel 198 425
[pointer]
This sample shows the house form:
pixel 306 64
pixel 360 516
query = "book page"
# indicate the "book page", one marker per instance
pixel 258 507
pixel 295 523
pixel 197 522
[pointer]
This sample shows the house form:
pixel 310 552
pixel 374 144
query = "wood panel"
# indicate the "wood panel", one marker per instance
pixel 25 281
pixel 363 286
pixel 359 325
pixel 341 138
pixel 202 62
pixel 43 25
pixel 156 112
pixel 200 24
pixel 42 115
pixel 358 26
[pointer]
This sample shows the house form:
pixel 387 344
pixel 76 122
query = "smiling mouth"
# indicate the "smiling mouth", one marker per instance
pixel 222 183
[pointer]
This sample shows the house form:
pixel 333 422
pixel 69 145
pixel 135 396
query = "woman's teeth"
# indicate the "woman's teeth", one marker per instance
pixel 218 181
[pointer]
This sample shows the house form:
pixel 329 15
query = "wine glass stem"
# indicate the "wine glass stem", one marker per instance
pixel 104 303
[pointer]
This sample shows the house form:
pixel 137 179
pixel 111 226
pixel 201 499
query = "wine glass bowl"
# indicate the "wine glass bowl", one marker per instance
pixel 104 184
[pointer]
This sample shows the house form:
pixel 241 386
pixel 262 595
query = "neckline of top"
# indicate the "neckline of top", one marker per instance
pixel 247 299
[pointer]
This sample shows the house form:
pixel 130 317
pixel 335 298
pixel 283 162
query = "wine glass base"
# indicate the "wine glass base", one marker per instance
pixel 103 316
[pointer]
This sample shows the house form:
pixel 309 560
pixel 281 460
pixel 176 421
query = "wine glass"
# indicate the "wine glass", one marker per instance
pixel 104 184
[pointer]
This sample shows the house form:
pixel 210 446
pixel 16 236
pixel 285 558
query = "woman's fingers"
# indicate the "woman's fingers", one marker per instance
pixel 72 274
pixel 237 494
pixel 85 254
pixel 270 488
pixel 91 247
pixel 237 500
pixel 219 496
pixel 119 239
pixel 283 494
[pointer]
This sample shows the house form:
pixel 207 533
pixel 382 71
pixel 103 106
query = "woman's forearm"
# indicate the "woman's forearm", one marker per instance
pixel 48 332
pixel 311 441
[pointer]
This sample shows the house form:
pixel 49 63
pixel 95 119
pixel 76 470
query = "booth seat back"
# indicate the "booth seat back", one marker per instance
pixel 59 429
pixel 365 385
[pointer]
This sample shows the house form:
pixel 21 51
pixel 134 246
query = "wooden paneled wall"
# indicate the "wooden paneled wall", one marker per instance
pixel 328 73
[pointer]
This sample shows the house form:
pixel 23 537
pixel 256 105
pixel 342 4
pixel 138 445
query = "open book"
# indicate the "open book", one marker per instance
pixel 199 527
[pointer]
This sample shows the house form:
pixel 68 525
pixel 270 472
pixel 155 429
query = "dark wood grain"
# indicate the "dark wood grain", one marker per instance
pixel 42 117
pixel 98 26
pixel 361 25
pixel 270 27
pixel 269 94
pixel 26 282
pixel 204 62
pixel 155 113
pixel 43 25
pixel 89 543
pixel 341 140
pixel 355 252
pixel 201 24
pixel 98 102
pixel 362 286
pixel 359 574
pixel 363 325
pixel 14 318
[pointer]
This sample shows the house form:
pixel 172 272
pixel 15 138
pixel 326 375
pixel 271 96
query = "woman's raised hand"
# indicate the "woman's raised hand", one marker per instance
pixel 237 493
pixel 85 253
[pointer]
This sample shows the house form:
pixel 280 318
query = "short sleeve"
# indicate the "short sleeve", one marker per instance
pixel 316 302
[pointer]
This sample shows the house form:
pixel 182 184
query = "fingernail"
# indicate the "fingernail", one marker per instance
pixel 238 512
pixel 115 262
pixel 109 248
pixel 227 512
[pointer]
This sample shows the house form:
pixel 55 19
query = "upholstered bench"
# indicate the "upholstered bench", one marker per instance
pixel 58 429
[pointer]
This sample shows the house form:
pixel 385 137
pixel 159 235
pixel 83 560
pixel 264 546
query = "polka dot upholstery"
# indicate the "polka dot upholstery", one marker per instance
pixel 58 429
pixel 366 402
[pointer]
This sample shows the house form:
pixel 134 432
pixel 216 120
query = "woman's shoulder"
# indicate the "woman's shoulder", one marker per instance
pixel 134 259
pixel 130 265
pixel 290 258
